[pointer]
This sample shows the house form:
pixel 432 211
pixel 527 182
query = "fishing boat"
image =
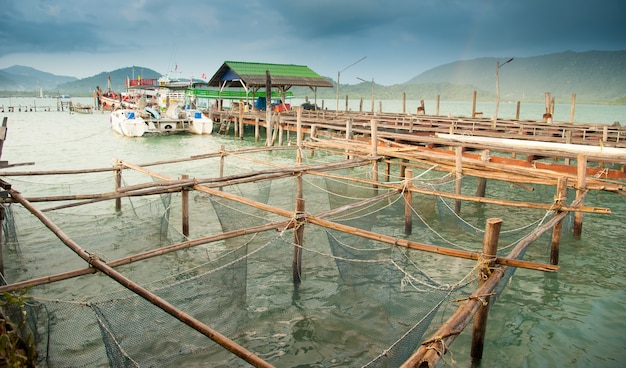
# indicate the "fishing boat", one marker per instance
pixel 128 123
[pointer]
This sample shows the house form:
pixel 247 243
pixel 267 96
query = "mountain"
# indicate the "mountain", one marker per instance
pixel 594 76
pixel 118 80
pixel 24 78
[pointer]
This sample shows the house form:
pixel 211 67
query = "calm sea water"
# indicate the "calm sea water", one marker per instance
pixel 573 318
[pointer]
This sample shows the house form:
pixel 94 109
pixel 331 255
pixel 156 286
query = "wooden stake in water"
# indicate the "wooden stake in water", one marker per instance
pixel 561 195
pixel 185 207
pixel 581 187
pixel 490 248
pixel 408 203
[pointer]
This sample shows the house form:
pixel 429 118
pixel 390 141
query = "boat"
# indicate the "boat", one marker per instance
pixel 128 123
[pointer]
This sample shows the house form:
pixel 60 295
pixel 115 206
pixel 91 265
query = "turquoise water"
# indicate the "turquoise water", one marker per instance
pixel 573 318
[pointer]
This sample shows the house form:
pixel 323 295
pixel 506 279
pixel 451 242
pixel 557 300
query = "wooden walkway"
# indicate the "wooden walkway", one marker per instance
pixel 561 143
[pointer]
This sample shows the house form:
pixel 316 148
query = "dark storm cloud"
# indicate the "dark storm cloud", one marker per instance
pixel 400 38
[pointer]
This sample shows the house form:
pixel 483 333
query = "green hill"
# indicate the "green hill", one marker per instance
pixel 86 86
pixel 594 76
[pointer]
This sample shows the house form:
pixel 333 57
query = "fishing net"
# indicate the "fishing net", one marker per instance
pixel 360 303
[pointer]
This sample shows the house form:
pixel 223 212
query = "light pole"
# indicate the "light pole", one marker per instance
pixel 338 76
pixel 363 80
pixel 498 66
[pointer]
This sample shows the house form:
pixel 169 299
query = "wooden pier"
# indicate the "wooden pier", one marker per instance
pixel 403 144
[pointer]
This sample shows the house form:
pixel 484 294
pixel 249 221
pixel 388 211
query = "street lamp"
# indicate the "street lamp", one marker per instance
pixel 498 66
pixel 339 75
pixel 363 80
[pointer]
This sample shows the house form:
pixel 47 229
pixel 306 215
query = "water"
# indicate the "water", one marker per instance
pixel 573 318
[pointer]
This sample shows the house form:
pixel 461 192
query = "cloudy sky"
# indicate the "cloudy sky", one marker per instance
pixel 398 38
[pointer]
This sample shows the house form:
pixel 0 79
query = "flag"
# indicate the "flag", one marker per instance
pixel 203 76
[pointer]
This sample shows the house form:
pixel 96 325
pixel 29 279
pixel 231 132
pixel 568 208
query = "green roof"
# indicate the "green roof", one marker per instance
pixel 234 73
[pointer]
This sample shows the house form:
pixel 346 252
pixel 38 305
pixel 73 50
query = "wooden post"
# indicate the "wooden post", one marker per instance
pixel 581 186
pixel 241 119
pixel 117 185
pixel 268 108
pixel 185 207
pixel 256 129
pixel 572 108
pixel 281 130
pixel 374 133
pixel 490 247
pixel 298 236
pixel 408 203
pixel 459 176
pixel 346 103
pixel 361 105
pixel 474 104
pixel 482 182
pixel 561 195
pixel 403 167
pixel 299 134
pixel 404 102
pixel 517 109
pixel 437 105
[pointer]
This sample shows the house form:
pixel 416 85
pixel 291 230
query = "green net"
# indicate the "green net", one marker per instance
pixel 360 303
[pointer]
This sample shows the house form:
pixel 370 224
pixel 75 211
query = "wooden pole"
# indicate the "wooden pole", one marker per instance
pixel 374 142
pixel 561 196
pixel 299 134
pixel 404 102
pixel 408 203
pixel 581 186
pixel 298 236
pixel 256 129
pixel 490 248
pixel 348 135
pixel 117 185
pixel 268 108
pixel 459 177
pixel 517 109
pixel 572 108
pixel 99 264
pixel 482 182
pixel 185 207
pixel 241 119
pixel 437 105
pixel 474 104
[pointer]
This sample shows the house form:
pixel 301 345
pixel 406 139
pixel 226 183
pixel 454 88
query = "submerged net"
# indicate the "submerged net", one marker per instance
pixel 360 303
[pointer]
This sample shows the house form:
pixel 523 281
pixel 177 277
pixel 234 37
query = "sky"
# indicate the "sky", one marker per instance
pixel 388 41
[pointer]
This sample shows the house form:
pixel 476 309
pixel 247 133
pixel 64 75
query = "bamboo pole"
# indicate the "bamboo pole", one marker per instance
pixel 145 255
pixel 430 352
pixel 97 263
pixel 561 196
pixel 490 249
pixel 437 105
pixel 408 204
